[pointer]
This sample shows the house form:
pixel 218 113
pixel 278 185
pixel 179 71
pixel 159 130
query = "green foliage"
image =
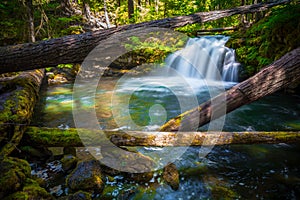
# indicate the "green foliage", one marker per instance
pixel 65 66
pixel 168 44
pixel 269 39
pixel 155 48
pixel 11 23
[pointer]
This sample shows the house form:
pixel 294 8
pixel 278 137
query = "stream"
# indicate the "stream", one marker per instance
pixel 143 103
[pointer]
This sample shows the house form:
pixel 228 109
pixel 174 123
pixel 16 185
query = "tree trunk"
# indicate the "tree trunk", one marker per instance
pixel 87 11
pixel 130 9
pixel 278 75
pixel 53 137
pixel 74 48
pixel 31 33
pixel 106 15
pixel 20 94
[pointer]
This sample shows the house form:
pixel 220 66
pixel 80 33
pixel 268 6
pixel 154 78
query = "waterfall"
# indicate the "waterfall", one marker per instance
pixel 206 58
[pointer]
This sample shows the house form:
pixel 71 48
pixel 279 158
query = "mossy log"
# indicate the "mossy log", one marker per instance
pixel 276 76
pixel 53 137
pixel 74 48
pixel 19 95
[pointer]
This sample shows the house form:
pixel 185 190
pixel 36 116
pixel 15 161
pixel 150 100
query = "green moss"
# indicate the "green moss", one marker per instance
pixel 31 190
pixel 19 105
pixel 152 49
pixel 17 196
pixel 267 40
pixel 221 192
pixel 13 175
pixel 145 193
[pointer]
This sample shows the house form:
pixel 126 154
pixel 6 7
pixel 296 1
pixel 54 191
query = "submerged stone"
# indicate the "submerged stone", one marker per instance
pixel 87 176
pixel 171 176
pixel 126 161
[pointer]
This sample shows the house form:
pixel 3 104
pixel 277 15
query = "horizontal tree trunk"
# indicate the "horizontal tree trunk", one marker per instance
pixel 276 76
pixel 74 48
pixel 53 137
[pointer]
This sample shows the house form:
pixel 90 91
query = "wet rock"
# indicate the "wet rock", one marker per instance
pixel 171 176
pixel 49 172
pixel 13 174
pixel 80 195
pixel 126 161
pixel 35 153
pixel 87 176
pixel 58 79
pixel 68 162
pixel 140 177
pixel 123 191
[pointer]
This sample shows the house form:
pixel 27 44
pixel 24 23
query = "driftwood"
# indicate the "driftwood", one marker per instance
pixel 74 48
pixel 276 76
pixel 53 137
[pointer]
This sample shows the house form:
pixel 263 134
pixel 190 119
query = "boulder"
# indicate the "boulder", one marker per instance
pixel 13 174
pixel 68 162
pixel 86 176
pixel 80 195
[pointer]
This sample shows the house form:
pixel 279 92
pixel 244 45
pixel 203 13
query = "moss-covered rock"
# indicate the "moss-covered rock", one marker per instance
pixel 86 176
pixel 68 162
pixel 80 195
pixel 33 153
pixel 13 175
pixel 31 191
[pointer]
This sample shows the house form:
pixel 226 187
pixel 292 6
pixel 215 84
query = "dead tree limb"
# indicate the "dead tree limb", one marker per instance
pixel 53 137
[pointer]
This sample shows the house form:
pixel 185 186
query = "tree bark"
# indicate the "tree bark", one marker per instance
pixel 31 33
pixel 53 137
pixel 74 48
pixel 276 76
pixel 130 9
pixel 20 94
pixel 106 14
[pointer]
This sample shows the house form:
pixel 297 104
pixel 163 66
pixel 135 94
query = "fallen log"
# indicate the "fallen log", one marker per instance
pixel 74 48
pixel 19 95
pixel 276 76
pixel 54 137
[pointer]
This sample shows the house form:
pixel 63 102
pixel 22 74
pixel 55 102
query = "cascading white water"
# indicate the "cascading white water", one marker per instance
pixel 206 58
